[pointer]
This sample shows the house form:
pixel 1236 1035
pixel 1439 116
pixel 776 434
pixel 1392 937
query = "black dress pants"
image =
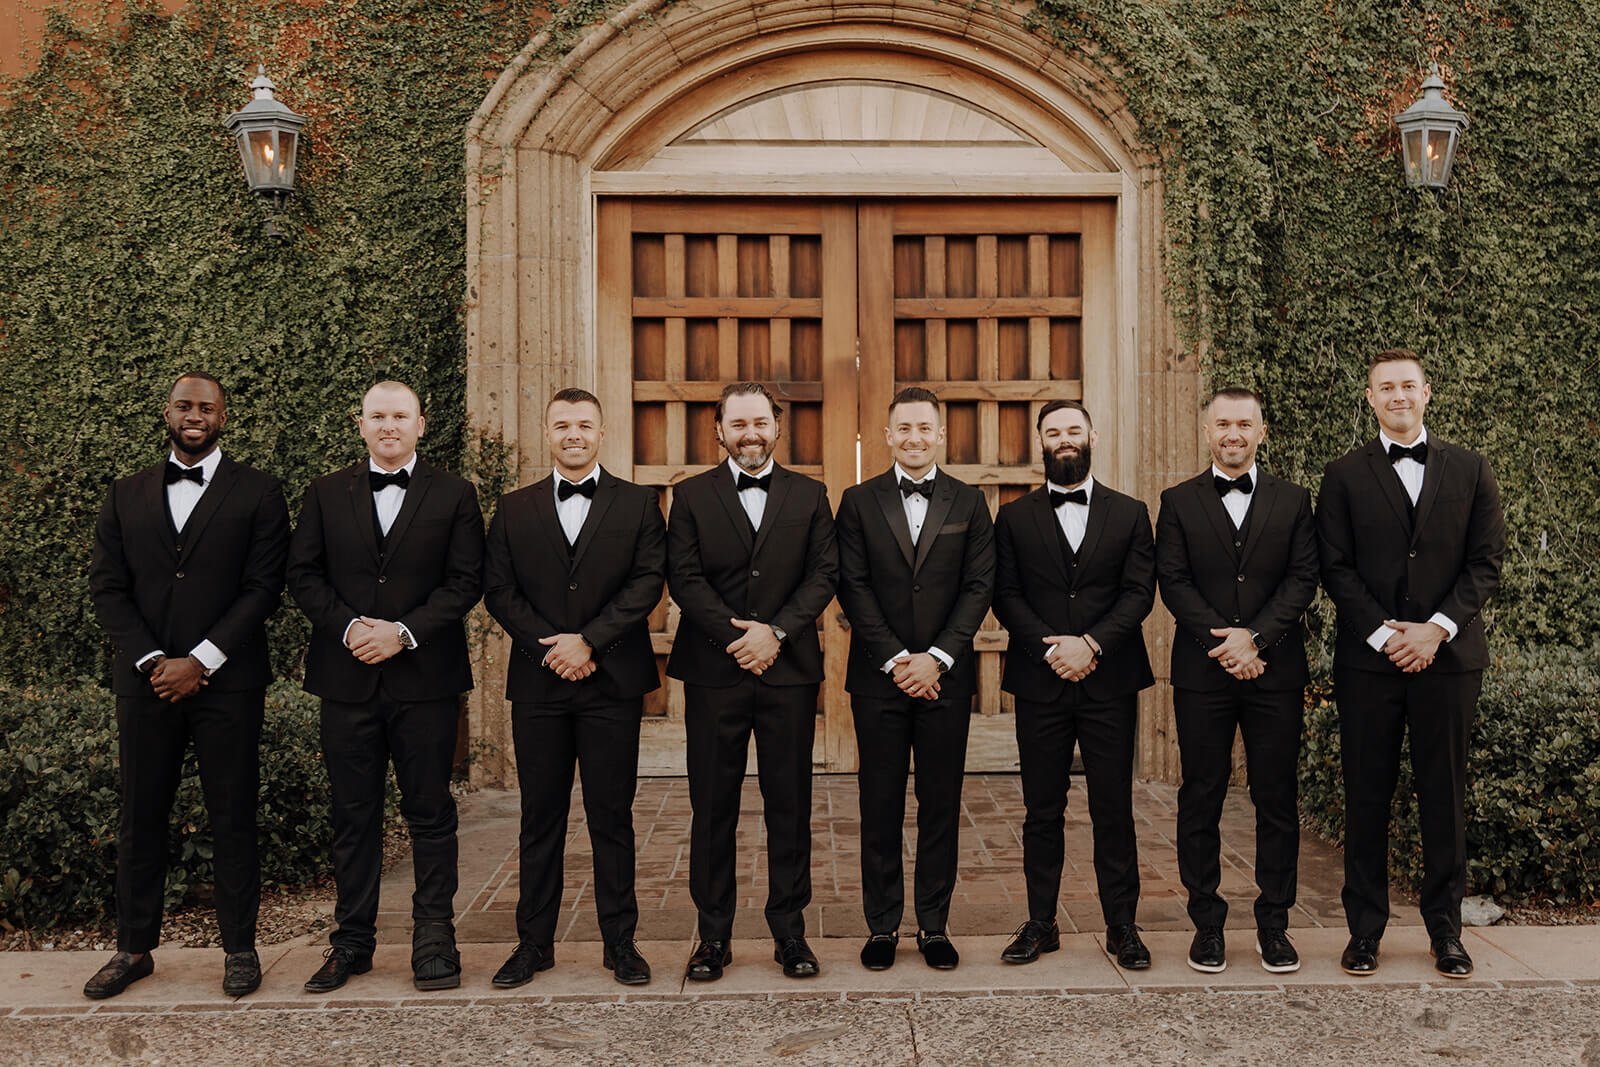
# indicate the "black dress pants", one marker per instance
pixel 1270 721
pixel 1104 731
pixel 888 731
pixel 152 736
pixel 1376 711
pixel 719 722
pixel 358 742
pixel 598 735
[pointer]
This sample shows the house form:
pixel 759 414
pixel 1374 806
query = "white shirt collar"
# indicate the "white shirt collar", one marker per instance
pixel 208 465
pixel 410 464
pixel 1087 486
pixel 1218 472
pixel 899 472
pixel 592 476
pixel 738 470
pixel 1384 440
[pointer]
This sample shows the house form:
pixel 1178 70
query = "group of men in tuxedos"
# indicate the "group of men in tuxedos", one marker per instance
pixel 389 555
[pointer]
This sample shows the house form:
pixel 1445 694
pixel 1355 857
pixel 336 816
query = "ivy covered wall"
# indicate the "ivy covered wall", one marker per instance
pixel 130 250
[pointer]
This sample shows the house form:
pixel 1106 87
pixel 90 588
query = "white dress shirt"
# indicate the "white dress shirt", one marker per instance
pixel 1237 503
pixel 575 509
pixel 753 500
pixel 916 508
pixel 1074 518
pixel 1410 473
pixel 391 498
pixel 181 500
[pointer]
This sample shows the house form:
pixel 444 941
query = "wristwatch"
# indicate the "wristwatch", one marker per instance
pixel 941 664
pixel 406 640
pixel 778 632
pixel 1259 641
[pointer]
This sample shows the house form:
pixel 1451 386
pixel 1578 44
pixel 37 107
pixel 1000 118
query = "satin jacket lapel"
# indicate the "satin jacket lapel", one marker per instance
pixel 1096 526
pixel 152 497
pixel 887 493
pixel 944 497
pixel 1049 525
pixel 544 507
pixel 1388 481
pixel 729 496
pixel 1267 495
pixel 1205 491
pixel 210 500
pixel 1433 475
pixel 782 481
pixel 605 494
pixel 421 479
pixel 360 490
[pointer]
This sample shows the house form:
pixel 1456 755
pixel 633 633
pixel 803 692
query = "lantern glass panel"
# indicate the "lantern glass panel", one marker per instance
pixel 1413 156
pixel 262 161
pixel 1440 144
pixel 287 143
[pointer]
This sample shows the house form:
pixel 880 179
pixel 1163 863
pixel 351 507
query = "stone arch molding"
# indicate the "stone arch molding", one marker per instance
pixel 626 109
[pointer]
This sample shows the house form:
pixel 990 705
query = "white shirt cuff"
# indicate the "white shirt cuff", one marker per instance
pixel 210 656
pixel 888 664
pixel 1377 638
pixel 942 656
pixel 139 665
pixel 1443 621
pixel 346 638
pixel 1051 651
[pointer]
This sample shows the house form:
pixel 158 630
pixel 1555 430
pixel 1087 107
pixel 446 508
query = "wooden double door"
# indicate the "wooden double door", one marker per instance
pixel 835 304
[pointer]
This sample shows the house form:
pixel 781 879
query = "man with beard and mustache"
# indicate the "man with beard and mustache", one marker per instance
pixel 751 563
pixel 1075 578
pixel 188 565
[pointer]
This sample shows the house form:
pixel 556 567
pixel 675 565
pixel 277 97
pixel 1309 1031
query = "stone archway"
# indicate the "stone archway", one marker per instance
pixel 634 109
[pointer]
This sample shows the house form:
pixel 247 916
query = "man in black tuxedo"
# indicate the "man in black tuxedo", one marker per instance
pixel 188 565
pixel 751 562
pixel 916 573
pixel 1075 577
pixel 1236 554
pixel 1411 538
pixel 386 559
pixel 580 666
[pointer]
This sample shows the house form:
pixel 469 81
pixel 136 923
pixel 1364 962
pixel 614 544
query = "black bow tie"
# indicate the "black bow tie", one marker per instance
pixel 1071 496
pixel 1418 452
pixel 566 489
pixel 381 481
pixel 747 482
pixel 1228 485
pixel 911 488
pixel 177 473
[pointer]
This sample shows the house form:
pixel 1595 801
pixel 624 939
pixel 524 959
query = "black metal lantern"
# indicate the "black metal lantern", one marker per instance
pixel 268 134
pixel 1430 130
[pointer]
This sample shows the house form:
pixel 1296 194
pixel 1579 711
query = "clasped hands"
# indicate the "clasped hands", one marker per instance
pixel 917 675
pixel 1413 645
pixel 570 656
pixel 373 640
pixel 757 649
pixel 1070 656
pixel 177 679
pixel 1238 654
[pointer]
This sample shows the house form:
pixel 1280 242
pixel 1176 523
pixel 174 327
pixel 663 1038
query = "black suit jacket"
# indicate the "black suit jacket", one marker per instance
pixel 1265 585
pixel 900 596
pixel 1106 595
pixel 428 576
pixel 219 580
pixel 1378 564
pixel 783 574
pixel 605 590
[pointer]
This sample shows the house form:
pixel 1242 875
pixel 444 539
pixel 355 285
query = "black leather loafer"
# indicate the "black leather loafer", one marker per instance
pixel 1124 946
pixel 937 950
pixel 1208 952
pixel 124 969
pixel 707 961
pixel 622 959
pixel 1277 954
pixel 524 962
pixel 878 953
pixel 1360 956
pixel 1032 938
pixel 338 964
pixel 1450 957
pixel 241 973
pixel 796 957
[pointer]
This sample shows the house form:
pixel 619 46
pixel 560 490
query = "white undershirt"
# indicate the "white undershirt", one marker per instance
pixel 574 510
pixel 753 500
pixel 1410 473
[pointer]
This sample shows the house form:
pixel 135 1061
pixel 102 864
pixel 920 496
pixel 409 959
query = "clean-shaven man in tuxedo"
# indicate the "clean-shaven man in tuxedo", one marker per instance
pixel 187 566
pixel 1411 539
pixel 1075 577
pixel 580 666
pixel 751 562
pixel 1236 557
pixel 386 559
pixel 916 574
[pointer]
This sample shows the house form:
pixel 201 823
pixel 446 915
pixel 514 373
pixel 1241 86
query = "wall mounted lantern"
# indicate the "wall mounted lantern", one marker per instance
pixel 1430 130
pixel 268 135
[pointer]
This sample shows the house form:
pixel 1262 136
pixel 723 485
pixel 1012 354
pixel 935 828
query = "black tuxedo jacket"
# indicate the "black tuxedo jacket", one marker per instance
pixel 428 575
pixel 219 580
pixel 903 596
pixel 604 589
pixel 1105 594
pixel 1212 577
pixel 783 574
pixel 1377 563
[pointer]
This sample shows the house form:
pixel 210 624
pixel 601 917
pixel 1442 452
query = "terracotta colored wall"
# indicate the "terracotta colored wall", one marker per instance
pixel 22 24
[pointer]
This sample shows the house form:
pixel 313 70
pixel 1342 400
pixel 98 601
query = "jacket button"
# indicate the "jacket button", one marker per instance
pixel 1412 553
pixel 382 578
pixel 178 575
pixel 1074 564
pixel 1238 544
pixel 1236 618
pixel 177 548
pixel 916 589
pixel 1072 595
pixel 755 614
pixel 755 574
pixel 572 585
pixel 1241 577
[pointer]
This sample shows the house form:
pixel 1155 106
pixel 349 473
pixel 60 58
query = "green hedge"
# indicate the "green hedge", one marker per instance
pixel 1533 786
pixel 59 804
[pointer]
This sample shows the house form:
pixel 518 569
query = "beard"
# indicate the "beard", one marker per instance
pixel 183 448
pixel 747 461
pixel 1069 469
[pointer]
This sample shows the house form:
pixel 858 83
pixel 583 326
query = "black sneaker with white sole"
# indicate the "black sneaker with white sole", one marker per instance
pixel 1208 953
pixel 1277 953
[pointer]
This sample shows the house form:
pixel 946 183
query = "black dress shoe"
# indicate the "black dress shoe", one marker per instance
pixel 1277 953
pixel 124 969
pixel 937 950
pixel 1360 956
pixel 1124 946
pixel 622 959
pixel 707 961
pixel 1450 958
pixel 1208 952
pixel 796 956
pixel 435 963
pixel 241 973
pixel 878 953
pixel 524 962
pixel 338 964
pixel 1032 938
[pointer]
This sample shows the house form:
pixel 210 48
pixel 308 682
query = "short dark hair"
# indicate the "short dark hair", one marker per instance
pixel 1239 392
pixel 1062 405
pixel 199 375
pixel 747 389
pixel 915 394
pixel 1396 355
pixel 574 395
